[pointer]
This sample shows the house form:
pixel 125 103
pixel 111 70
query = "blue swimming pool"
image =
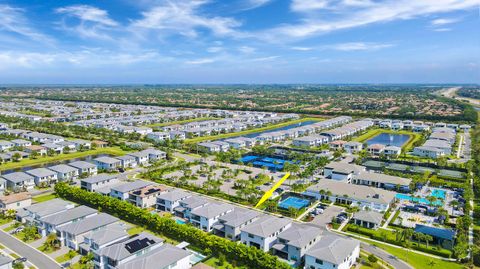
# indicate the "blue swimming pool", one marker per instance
pixel 268 162
pixel 179 221
pixel 410 198
pixel 389 139
pixel 438 193
pixel 295 202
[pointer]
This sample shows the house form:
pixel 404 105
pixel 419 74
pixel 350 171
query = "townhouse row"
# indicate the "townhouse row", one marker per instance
pixel 294 242
pixel 439 143
pixel 67 172
pixel 86 230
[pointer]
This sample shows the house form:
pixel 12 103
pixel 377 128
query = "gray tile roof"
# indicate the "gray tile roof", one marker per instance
pixel 194 201
pixel 266 225
pixel 300 235
pixel 370 216
pixel 89 224
pixel 160 257
pixel 108 234
pixel 357 192
pixel 62 168
pixel 130 186
pixel 174 195
pixel 120 251
pixel 333 248
pixel 69 215
pixel 82 165
pixel 108 160
pixel 41 172
pixel 49 207
pixel 382 178
pixel 98 178
pixel 17 177
pixel 212 210
pixel 239 216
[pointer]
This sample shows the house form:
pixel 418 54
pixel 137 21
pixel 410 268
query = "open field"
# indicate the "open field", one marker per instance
pixel 61 157
pixel 246 132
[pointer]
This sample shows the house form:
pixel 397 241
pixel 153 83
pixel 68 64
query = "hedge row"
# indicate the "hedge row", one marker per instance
pixel 249 256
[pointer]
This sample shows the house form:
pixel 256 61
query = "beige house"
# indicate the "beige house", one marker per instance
pixel 15 201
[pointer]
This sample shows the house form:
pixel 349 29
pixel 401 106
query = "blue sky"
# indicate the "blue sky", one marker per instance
pixel 240 41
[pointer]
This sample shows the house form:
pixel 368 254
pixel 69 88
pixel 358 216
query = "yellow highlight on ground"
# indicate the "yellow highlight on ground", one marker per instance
pixel 269 193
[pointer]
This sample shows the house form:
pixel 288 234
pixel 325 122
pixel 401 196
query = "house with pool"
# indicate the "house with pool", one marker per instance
pixel 357 195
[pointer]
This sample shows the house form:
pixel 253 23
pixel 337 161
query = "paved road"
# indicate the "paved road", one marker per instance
pixel 40 260
pixel 387 257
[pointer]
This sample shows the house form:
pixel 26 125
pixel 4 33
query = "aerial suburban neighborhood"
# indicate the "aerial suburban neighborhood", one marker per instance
pixel 239 134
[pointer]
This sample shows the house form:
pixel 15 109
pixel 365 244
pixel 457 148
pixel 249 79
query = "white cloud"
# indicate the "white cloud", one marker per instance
pixel 442 29
pixel 438 22
pixel 357 46
pixel 247 49
pixel 214 49
pixel 201 61
pixel 88 13
pixel 264 59
pixel 13 20
pixel 301 48
pixel 183 17
pixel 347 16
pixel 252 4
pixel 94 22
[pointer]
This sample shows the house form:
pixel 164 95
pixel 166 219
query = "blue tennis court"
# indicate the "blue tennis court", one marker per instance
pixel 295 202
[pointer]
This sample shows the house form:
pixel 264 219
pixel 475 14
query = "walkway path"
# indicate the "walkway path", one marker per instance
pixel 33 255
pixel 392 214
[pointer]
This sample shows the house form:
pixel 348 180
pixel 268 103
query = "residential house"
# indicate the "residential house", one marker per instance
pixel 107 163
pixel 84 168
pixel 392 151
pixel 65 172
pixel 6 145
pixel 141 157
pixel 368 219
pixel 122 191
pixel 352 147
pixel 127 161
pixel 376 149
pixel 263 232
pixel 21 143
pixel 155 154
pixel 294 242
pixel 186 206
pixel 207 216
pixel 72 235
pixel 229 225
pixel 165 256
pixel 43 176
pixel 94 183
pixel 36 148
pixel 32 214
pixel 51 224
pixel 15 201
pixel 333 251
pixel 169 200
pixel 19 180
pixel 147 196
pixel 81 144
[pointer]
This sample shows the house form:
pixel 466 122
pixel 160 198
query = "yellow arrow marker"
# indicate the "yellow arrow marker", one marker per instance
pixel 269 193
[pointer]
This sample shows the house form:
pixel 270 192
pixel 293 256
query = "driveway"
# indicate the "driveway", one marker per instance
pixel 34 256
pixel 326 217
pixel 387 257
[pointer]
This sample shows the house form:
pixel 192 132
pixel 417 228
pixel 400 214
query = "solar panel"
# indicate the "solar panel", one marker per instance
pixel 139 244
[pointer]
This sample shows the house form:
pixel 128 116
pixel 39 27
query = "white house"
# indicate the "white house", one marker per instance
pixel 263 232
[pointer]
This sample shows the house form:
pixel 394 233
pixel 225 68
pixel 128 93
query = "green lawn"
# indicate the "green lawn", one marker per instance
pixel 414 137
pixel 161 124
pixel 61 157
pixel 261 129
pixel 46 250
pixel 66 257
pixel 44 198
pixel 15 256
pixel 135 230
pixel 214 262
pixel 418 261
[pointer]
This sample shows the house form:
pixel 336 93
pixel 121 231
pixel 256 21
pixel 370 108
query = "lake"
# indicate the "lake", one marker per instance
pixel 389 139
pixel 295 125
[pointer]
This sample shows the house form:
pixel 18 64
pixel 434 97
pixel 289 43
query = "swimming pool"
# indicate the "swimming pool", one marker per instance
pixel 410 198
pixel 179 221
pixel 269 162
pixel 295 202
pixel 438 193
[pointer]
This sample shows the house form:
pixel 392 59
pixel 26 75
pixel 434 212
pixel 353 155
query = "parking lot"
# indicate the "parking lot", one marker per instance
pixel 327 215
